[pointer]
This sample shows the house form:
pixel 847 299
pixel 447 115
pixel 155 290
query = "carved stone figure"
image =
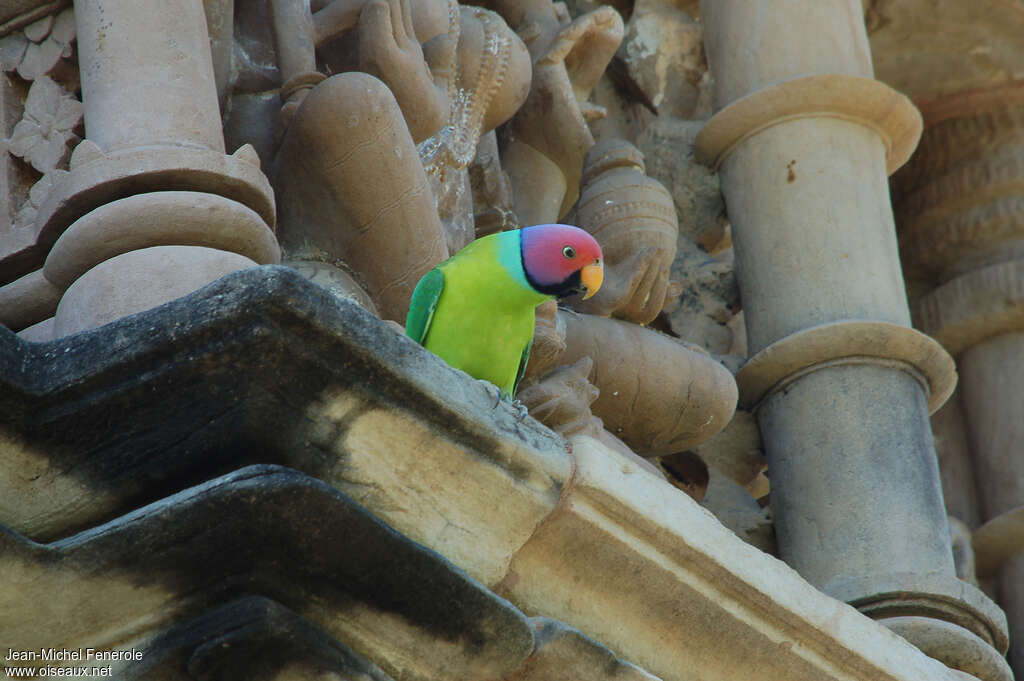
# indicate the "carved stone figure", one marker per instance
pixel 634 220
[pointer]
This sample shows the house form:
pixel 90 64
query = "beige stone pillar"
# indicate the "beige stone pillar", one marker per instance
pixel 804 139
pixel 152 208
pixel 961 215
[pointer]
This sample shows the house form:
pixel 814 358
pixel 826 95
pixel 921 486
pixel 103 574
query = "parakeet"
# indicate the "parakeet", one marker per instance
pixel 476 309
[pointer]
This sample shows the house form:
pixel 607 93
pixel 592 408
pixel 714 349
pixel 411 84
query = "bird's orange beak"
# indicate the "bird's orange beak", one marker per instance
pixel 592 275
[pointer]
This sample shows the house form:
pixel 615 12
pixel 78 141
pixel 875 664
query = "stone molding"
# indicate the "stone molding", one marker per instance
pixel 848 342
pixel 858 100
pixel 963 650
pixel 200 219
pixel 928 596
pixel 96 178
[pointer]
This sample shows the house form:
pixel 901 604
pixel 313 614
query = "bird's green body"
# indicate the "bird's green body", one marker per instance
pixel 476 311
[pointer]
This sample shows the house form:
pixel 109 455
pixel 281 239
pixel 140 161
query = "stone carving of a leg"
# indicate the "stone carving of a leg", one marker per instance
pixel 351 190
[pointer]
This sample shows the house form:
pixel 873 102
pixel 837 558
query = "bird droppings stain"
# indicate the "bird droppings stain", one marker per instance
pixel 790 175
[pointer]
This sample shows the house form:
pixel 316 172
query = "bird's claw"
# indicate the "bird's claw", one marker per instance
pixel 521 408
pixel 502 395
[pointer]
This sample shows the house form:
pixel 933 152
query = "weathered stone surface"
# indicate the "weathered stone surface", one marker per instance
pixel 662 57
pixel 250 638
pixel 107 420
pixel 15 180
pixel 737 452
pixel 739 511
pixel 564 654
pixel 687 591
pixel 979 47
pixel 668 147
pixel 159 219
pixel 28 300
pixel 707 297
pixel 263 530
pixel 633 217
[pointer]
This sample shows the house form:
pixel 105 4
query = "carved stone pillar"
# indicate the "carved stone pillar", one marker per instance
pixel 804 138
pixel 961 217
pixel 151 208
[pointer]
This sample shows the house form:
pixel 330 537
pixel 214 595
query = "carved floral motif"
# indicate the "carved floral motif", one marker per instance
pixel 41 137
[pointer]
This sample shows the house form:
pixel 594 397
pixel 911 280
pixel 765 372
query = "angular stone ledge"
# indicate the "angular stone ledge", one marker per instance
pixel 269 573
pixel 262 530
pixel 264 367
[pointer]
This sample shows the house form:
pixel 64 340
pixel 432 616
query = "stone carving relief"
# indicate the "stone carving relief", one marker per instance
pixel 45 134
pixel 633 218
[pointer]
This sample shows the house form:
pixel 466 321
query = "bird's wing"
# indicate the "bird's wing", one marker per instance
pixel 522 367
pixel 423 303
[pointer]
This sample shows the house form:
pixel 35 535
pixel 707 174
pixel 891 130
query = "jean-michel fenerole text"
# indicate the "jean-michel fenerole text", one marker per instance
pixel 65 654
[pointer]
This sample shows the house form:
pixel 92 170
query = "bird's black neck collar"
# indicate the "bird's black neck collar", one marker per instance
pixel 562 289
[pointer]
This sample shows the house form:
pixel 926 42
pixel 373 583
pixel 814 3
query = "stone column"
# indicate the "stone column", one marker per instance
pixel 152 208
pixel 804 138
pixel 960 208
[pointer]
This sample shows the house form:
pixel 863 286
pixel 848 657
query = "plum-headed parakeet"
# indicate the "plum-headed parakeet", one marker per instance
pixel 476 309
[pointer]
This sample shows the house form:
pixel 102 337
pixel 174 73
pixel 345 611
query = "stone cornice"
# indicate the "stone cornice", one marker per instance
pixel 583 535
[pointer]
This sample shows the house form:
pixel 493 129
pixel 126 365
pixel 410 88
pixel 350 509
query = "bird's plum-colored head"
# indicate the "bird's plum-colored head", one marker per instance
pixel 561 260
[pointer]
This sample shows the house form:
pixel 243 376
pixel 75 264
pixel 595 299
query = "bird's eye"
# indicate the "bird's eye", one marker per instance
pixel 569 252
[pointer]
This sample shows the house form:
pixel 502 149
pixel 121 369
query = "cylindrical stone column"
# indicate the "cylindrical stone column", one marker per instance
pixel 804 139
pixel 151 174
pixel 147 74
pixel 961 214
